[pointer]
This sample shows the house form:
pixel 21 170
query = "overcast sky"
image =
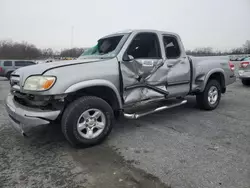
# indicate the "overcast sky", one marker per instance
pixel 221 24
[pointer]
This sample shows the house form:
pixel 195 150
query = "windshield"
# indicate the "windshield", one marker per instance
pixel 105 48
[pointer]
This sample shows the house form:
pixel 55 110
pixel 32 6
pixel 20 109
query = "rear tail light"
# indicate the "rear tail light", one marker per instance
pixel 231 65
pixel 244 64
pixel 1 69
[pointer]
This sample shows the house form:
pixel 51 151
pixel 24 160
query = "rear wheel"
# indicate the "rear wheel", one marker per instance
pixel 209 99
pixel 87 121
pixel 245 82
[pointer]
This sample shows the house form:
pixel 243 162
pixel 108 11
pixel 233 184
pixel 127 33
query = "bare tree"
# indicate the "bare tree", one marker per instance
pixel 11 50
pixel 206 51
pixel 73 52
pixel 237 51
pixel 47 53
pixel 246 47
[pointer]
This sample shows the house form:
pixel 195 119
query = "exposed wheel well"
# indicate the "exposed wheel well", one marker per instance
pixel 220 78
pixel 102 92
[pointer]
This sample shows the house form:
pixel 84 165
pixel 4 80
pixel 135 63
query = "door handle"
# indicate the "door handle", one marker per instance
pixel 170 65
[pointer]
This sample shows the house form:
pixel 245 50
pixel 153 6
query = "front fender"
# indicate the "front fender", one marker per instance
pixel 96 82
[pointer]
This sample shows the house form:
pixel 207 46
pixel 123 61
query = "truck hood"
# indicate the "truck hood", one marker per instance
pixel 39 69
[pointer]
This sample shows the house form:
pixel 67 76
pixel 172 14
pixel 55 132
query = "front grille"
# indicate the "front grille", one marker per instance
pixel 15 82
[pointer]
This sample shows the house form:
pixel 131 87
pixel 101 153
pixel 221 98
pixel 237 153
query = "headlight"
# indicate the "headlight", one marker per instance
pixel 39 83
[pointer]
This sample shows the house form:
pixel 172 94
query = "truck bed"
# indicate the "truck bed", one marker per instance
pixel 205 66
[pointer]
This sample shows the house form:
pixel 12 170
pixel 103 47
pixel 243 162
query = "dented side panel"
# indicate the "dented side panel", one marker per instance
pixel 142 71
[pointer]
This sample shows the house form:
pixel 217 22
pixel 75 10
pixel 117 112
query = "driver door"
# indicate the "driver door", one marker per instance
pixel 144 73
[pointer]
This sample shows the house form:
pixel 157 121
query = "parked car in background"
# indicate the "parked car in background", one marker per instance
pixel 45 61
pixel 8 66
pixel 233 58
pixel 244 71
pixel 49 60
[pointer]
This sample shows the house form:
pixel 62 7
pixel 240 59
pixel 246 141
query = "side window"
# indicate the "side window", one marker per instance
pixel 27 63
pixel 7 63
pixel 171 46
pixel 145 45
pixel 19 63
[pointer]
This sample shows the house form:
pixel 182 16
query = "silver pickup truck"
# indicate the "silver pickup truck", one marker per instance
pixel 130 73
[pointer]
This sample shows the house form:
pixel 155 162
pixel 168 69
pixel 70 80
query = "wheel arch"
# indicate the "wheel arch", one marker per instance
pixel 100 88
pixel 216 74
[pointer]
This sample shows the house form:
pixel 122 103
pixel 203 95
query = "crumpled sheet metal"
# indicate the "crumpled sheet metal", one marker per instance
pixel 142 71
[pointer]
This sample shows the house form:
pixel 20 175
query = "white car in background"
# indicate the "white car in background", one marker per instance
pixel 244 71
pixel 45 61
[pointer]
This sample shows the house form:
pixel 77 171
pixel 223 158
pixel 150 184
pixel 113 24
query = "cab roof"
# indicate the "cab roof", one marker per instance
pixel 140 30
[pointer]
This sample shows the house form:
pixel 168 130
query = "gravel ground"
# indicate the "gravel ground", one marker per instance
pixel 179 148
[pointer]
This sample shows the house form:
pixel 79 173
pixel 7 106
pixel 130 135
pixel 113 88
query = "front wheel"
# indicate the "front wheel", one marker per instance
pixel 87 121
pixel 209 99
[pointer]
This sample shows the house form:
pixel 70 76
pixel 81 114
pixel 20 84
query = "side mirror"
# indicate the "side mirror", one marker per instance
pixel 127 57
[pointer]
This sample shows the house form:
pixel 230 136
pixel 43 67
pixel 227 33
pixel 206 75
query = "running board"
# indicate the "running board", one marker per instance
pixel 158 109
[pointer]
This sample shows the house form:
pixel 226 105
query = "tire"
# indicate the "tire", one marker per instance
pixel 8 75
pixel 71 118
pixel 246 82
pixel 202 99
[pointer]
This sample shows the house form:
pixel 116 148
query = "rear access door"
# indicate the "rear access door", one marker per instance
pixel 179 72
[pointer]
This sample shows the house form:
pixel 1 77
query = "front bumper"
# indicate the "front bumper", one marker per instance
pixel 24 119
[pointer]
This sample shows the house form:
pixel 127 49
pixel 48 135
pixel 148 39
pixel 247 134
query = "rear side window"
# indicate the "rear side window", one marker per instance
pixel 7 63
pixel 171 46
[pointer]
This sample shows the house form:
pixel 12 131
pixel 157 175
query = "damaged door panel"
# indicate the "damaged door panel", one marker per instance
pixel 141 79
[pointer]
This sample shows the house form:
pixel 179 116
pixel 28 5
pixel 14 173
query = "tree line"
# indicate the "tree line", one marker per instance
pixel 208 51
pixel 24 50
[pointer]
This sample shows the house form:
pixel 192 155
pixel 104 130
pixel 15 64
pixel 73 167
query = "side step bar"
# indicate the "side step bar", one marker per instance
pixel 158 109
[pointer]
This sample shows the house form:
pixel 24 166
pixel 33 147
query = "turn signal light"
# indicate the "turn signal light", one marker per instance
pixel 48 84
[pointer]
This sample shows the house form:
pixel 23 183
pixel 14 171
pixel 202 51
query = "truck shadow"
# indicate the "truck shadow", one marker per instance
pixel 52 133
pixel 158 117
pixel 180 119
